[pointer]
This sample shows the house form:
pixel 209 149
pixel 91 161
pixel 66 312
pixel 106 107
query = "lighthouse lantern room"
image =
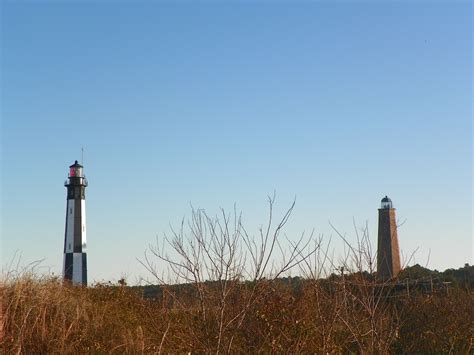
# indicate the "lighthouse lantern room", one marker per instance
pixel 386 203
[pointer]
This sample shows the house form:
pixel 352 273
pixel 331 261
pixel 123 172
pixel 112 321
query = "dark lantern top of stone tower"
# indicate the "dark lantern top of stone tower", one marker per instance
pixel 386 202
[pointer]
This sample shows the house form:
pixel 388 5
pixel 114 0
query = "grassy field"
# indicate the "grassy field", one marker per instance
pixel 354 315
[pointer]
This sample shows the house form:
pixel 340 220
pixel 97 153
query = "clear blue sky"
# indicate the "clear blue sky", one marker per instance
pixel 336 103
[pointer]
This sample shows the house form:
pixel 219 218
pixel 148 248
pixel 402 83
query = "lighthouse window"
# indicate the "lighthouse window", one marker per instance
pixel 70 211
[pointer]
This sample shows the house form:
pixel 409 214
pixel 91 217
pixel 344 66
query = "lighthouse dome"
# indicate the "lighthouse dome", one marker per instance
pixel 76 164
pixel 386 202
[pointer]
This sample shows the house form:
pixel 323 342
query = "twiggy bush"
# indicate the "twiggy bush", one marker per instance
pixel 216 255
pixel 437 323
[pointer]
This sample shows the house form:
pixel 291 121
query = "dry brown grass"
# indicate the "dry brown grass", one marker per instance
pixel 42 316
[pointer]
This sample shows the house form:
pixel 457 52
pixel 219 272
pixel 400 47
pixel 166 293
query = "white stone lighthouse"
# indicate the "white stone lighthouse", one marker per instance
pixel 75 258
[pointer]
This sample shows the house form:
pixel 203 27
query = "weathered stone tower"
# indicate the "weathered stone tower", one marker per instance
pixel 388 252
pixel 75 257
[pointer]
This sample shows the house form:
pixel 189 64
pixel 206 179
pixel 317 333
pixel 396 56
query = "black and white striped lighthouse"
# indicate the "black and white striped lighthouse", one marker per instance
pixel 75 258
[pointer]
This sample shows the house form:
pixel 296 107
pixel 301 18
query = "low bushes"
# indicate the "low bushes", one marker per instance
pixel 44 316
